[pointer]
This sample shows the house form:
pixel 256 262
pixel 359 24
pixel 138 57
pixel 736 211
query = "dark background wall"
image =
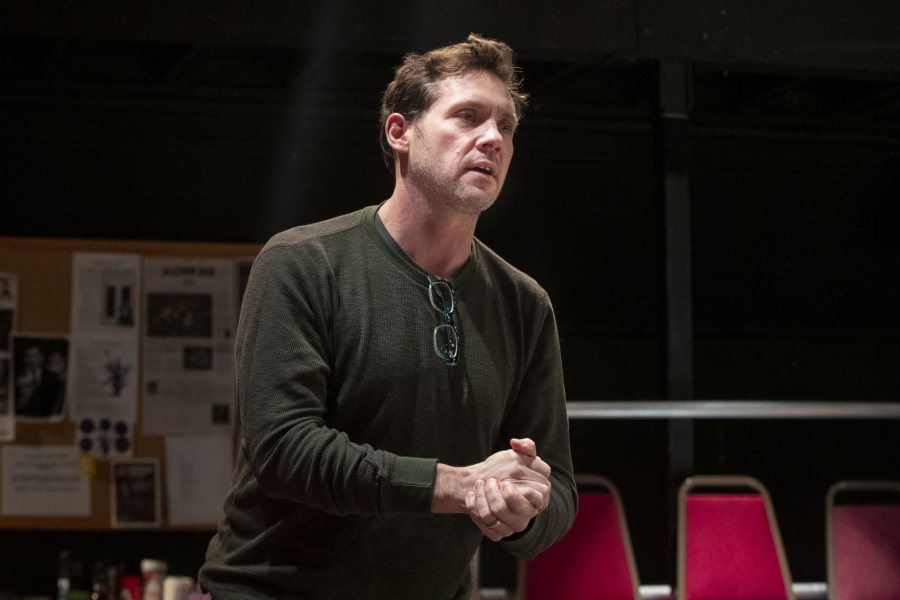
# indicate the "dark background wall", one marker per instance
pixel 229 121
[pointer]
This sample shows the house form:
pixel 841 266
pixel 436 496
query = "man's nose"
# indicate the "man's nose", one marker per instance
pixel 490 136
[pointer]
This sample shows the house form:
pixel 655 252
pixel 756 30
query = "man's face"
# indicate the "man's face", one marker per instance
pixel 33 357
pixel 460 148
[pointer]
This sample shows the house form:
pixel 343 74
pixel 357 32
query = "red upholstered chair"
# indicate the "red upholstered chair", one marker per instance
pixel 729 545
pixel 594 560
pixel 863 540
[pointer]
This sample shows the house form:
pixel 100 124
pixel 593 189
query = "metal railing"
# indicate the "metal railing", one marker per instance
pixel 731 409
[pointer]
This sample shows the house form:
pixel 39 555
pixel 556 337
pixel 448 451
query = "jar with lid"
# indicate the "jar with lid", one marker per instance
pixel 153 573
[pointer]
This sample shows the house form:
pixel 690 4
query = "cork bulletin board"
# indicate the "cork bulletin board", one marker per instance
pixel 43 268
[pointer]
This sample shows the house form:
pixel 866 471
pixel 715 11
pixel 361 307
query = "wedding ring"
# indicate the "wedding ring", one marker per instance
pixel 494 524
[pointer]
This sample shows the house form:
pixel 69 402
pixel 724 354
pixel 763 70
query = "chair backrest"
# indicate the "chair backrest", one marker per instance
pixel 729 545
pixel 594 560
pixel 863 540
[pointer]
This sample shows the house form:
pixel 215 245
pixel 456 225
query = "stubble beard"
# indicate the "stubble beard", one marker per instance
pixel 449 193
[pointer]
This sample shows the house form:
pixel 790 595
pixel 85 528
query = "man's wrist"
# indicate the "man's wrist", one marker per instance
pixel 450 487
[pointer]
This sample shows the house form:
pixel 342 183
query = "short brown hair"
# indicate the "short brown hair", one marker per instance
pixel 416 80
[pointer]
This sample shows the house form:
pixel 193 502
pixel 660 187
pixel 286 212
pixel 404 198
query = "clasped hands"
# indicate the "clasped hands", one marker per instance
pixel 510 488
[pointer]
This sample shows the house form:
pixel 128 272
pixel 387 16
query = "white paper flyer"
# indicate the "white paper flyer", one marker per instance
pixel 189 320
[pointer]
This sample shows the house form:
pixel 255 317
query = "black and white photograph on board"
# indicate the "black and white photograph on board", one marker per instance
pixel 4 386
pixel 6 328
pixel 136 493
pixel 179 315
pixel 40 365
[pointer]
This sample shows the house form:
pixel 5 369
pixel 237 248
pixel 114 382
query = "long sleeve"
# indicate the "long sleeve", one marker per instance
pixel 539 412
pixel 283 369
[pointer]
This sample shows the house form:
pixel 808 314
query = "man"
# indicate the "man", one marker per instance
pixel 399 385
pixel 40 389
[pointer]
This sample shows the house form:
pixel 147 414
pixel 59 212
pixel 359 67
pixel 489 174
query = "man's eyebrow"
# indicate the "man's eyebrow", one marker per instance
pixel 463 103
pixel 481 104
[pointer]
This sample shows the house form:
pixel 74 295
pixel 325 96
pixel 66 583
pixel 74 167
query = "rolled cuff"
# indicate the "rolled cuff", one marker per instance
pixel 410 485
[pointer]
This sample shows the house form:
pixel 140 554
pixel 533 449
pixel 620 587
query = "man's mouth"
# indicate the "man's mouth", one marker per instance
pixel 484 169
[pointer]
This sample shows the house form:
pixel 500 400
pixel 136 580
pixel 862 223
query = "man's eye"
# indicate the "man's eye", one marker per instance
pixel 467 115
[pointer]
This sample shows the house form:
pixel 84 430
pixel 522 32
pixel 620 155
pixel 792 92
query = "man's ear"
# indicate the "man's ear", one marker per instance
pixel 396 128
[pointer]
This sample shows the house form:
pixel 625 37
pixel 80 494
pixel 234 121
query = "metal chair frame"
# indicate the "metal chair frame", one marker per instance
pixel 598 481
pixel 730 482
pixel 847 485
